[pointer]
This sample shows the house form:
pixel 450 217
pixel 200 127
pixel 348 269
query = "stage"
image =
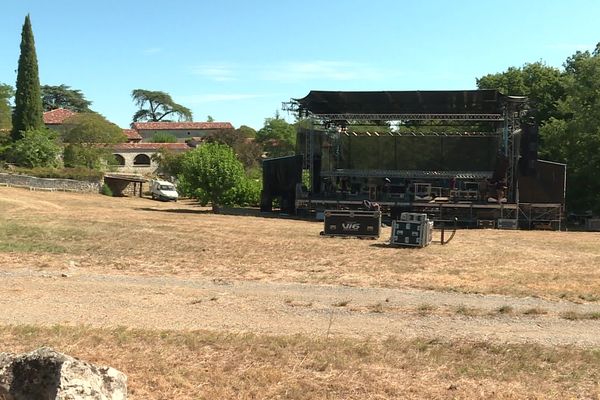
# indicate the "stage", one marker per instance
pixel 468 155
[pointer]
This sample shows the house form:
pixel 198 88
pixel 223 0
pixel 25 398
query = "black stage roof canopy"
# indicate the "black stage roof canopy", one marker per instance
pixel 406 102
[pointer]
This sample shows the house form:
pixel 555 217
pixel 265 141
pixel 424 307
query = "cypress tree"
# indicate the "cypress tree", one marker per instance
pixel 28 113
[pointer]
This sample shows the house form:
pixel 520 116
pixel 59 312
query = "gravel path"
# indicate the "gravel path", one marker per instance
pixel 47 298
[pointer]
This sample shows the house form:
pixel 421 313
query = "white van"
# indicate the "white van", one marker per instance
pixel 163 190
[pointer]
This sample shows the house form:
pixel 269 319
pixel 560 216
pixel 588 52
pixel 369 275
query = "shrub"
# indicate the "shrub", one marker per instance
pixel 247 192
pixel 212 172
pixel 78 174
pixel 37 148
pixel 77 156
pixel 163 137
pixel 169 162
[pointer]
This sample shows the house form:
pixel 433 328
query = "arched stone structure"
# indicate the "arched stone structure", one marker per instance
pixel 120 160
pixel 142 160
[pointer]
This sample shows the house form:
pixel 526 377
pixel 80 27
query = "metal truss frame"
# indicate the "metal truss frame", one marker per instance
pixel 406 117
pixel 294 107
pixel 510 128
pixel 508 123
pixel 412 174
pixel 423 134
pixel 542 214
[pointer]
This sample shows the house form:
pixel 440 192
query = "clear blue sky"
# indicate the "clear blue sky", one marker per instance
pixel 238 60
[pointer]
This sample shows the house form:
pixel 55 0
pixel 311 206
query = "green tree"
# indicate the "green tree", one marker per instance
pixel 63 96
pixel 211 173
pixel 28 101
pixel 575 138
pixel 210 119
pixel 89 137
pixel 169 162
pixel 277 137
pixel 37 148
pixel 247 131
pixel 155 106
pixel 163 137
pixel 246 150
pixel 6 93
pixel 543 84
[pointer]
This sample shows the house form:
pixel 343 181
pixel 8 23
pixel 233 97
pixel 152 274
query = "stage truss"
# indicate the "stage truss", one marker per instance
pixel 506 127
pixel 507 122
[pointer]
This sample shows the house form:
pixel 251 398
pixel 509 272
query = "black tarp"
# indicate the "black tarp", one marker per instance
pixel 280 177
pixel 406 102
pixel 547 185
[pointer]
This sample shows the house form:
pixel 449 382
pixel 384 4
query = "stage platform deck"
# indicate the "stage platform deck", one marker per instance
pixel 412 174
pixel 528 215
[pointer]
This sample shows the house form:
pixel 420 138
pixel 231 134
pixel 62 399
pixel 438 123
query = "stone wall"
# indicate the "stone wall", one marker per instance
pixel 66 185
pixel 129 167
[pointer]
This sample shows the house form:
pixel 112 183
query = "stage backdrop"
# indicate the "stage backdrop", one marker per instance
pixel 418 153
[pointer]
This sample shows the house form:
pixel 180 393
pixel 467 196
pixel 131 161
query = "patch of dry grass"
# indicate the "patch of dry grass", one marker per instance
pixel 140 236
pixel 192 365
pixel 574 315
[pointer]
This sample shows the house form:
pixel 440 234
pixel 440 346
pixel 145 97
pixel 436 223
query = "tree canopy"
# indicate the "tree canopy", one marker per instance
pixel 63 96
pixel 87 128
pixel 211 173
pixel 277 137
pixel 247 150
pixel 37 148
pixel 247 131
pixel 6 93
pixel 87 136
pixel 567 108
pixel 543 84
pixel 156 106
pixel 574 138
pixel 28 113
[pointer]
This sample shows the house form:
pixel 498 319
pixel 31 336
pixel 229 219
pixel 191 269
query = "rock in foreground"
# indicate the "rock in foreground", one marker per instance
pixel 45 374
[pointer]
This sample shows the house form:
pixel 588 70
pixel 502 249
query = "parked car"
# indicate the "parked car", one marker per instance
pixel 163 190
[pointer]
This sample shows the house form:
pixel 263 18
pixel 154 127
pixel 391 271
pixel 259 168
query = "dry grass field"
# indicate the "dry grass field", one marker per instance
pixel 209 365
pixel 140 236
pixel 92 237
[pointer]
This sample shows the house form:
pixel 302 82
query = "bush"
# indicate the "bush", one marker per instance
pixel 77 156
pixel 247 192
pixel 169 162
pixel 163 137
pixel 37 148
pixel 212 173
pixel 78 174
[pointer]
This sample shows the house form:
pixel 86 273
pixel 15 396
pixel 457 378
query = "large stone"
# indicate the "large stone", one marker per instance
pixel 45 374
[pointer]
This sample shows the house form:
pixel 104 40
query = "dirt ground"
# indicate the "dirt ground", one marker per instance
pixel 274 308
pixel 101 261
pixel 77 260
pixel 132 236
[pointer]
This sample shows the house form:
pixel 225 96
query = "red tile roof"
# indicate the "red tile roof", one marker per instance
pixel 151 146
pixel 58 116
pixel 180 125
pixel 132 134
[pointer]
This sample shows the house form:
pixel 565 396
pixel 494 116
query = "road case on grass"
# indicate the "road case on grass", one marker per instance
pixel 413 230
pixel 350 223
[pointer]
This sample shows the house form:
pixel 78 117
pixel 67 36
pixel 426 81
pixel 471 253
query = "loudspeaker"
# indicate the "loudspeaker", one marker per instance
pixel 316 179
pixel 529 148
